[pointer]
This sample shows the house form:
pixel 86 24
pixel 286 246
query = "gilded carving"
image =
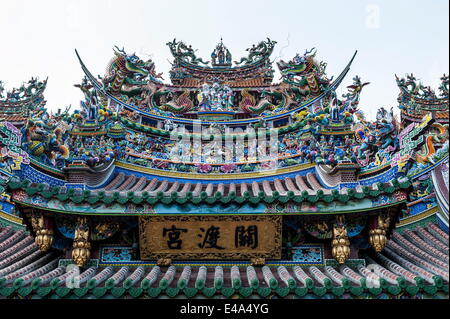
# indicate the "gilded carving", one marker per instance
pixel 377 236
pixel 44 235
pixel 258 262
pixel 81 246
pixel 340 244
pixel 164 262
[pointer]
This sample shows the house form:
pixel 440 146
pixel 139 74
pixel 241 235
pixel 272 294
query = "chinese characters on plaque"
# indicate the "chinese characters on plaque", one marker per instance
pixel 210 237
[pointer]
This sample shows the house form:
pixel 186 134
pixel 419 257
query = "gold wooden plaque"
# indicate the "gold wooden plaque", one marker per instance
pixel 210 237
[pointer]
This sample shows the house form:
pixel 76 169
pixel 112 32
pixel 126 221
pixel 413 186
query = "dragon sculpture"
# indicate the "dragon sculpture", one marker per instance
pixel 416 97
pixel 248 104
pixel 45 142
pixel 436 136
pixel 305 72
pixel 27 91
pixel 183 52
pixel 444 86
pixel 258 52
pixel 377 139
pixel 125 73
pixel 426 92
pixel 180 104
pixel 386 130
pixel 416 90
pixel 155 98
pixel 277 100
pixel 352 97
pixel 408 85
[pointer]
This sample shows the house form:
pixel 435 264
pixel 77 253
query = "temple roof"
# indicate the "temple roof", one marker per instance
pixel 416 100
pixel 246 90
pixel 224 142
pixel 17 105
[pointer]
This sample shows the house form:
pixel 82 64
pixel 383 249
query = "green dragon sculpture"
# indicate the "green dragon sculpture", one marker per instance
pixel 248 104
pixel 305 73
pixel 272 101
pixel 256 53
pixel 444 86
pixel 126 73
pixel 183 52
pixel 155 97
pixel 408 85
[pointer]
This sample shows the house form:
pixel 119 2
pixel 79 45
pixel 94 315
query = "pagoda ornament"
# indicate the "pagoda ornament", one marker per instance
pixel 377 236
pixel 340 244
pixel 221 56
pixel 81 246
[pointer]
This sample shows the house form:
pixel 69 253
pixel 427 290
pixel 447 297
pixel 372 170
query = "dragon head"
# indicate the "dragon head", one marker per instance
pixel 298 65
pixel 130 63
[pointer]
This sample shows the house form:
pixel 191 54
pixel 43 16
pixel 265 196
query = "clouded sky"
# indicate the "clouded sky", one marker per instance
pixel 392 37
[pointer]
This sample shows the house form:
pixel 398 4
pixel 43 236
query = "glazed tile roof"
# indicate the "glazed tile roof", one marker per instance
pixel 129 187
pixel 406 265
pixel 12 118
pixel 308 183
pixel 418 114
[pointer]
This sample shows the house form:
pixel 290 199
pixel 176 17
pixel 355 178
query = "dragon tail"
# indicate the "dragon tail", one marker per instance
pixel 64 151
pixel 423 157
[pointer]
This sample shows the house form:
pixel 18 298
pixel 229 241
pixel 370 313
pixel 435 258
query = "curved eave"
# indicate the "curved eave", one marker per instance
pixel 441 116
pixel 424 102
pixel 47 169
pixel 332 87
pixel 364 173
pixel 257 200
pixel 214 177
pixel 408 221
pixel 98 212
pixel 8 219
pixel 2 171
pixel 428 168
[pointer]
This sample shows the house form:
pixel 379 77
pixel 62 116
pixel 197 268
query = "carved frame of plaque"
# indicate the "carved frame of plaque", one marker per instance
pixel 272 241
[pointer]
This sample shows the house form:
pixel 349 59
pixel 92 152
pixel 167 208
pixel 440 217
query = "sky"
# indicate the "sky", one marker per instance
pixel 392 37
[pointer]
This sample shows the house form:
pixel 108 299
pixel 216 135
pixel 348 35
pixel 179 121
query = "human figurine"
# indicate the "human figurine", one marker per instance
pixel 205 97
pixel 334 110
pixel 229 98
pixel 228 57
pixel 93 106
pixel 213 57
pixel 221 57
